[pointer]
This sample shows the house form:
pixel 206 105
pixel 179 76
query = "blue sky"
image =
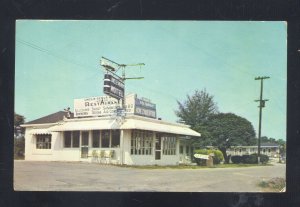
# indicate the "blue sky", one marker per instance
pixel 58 61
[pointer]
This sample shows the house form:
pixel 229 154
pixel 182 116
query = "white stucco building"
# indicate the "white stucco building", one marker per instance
pixel 129 140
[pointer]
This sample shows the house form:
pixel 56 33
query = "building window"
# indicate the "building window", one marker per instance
pixel 96 138
pixel 76 135
pixel 67 139
pixel 181 149
pixel 141 142
pixel 43 141
pixel 105 138
pixel 85 138
pixel 169 145
pixel 115 138
pixel 71 139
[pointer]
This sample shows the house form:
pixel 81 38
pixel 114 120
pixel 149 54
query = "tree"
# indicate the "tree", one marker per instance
pixel 19 119
pixel 195 111
pixel 197 108
pixel 19 147
pixel 19 141
pixel 227 129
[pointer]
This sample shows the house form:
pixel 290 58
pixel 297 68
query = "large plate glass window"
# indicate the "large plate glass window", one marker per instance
pixel 96 138
pixel 115 138
pixel 105 139
pixel 71 139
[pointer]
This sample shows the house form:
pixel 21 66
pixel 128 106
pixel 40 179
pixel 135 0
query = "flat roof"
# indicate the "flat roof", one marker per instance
pixel 128 122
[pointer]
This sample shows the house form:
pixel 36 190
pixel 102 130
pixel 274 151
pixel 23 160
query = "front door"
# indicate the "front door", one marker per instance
pixel 84 144
pixel 158 147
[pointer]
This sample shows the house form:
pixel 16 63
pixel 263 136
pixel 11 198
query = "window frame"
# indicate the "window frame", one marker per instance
pixel 169 144
pixel 141 142
pixel 115 134
pixel 96 136
pixel 103 137
pixel 73 135
pixel 41 140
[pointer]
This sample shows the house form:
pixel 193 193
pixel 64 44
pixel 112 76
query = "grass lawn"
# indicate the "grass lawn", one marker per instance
pixel 272 185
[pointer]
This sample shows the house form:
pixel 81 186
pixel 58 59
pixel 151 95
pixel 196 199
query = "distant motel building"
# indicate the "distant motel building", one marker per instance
pixel 98 132
pixel 270 149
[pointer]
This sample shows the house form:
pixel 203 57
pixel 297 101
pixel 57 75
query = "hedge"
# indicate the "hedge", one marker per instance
pixel 249 159
pixel 236 159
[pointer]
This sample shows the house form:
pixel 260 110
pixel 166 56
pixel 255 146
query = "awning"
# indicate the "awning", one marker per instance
pixel 86 125
pixel 159 127
pixel 41 131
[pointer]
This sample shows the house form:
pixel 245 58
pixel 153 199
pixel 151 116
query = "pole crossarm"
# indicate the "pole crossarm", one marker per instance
pixel 260 78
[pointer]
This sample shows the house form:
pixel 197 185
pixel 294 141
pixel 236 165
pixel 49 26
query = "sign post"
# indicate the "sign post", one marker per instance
pixel 114 85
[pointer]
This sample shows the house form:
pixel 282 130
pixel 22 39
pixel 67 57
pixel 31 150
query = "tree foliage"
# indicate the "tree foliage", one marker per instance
pixel 227 129
pixel 19 140
pixel 19 119
pixel 196 109
pixel 19 147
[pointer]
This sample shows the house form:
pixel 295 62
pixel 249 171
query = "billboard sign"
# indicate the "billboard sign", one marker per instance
pixel 113 86
pixel 143 107
pixel 108 106
pixel 95 106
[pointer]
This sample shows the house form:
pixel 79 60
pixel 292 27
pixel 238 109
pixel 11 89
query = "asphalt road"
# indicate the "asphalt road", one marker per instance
pixel 72 176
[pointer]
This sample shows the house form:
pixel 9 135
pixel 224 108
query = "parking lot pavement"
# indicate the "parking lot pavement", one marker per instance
pixel 76 176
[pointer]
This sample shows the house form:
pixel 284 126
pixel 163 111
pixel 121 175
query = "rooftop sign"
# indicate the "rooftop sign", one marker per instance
pixel 108 106
pixel 95 106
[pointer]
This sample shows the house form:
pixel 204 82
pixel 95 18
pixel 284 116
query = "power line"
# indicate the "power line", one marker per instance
pixel 48 52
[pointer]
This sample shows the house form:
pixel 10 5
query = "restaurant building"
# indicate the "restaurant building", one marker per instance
pixel 100 131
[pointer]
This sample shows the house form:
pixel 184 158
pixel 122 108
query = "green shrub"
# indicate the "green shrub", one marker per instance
pixel 246 159
pixel 218 156
pixel 263 158
pixel 253 159
pixel 249 159
pixel 236 159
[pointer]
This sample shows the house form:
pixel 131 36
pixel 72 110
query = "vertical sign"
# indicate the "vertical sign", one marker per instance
pixel 113 86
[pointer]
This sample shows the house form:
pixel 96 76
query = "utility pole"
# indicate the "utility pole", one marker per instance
pixel 261 105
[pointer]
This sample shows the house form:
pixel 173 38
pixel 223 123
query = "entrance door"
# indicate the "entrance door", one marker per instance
pixel 84 144
pixel 158 147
